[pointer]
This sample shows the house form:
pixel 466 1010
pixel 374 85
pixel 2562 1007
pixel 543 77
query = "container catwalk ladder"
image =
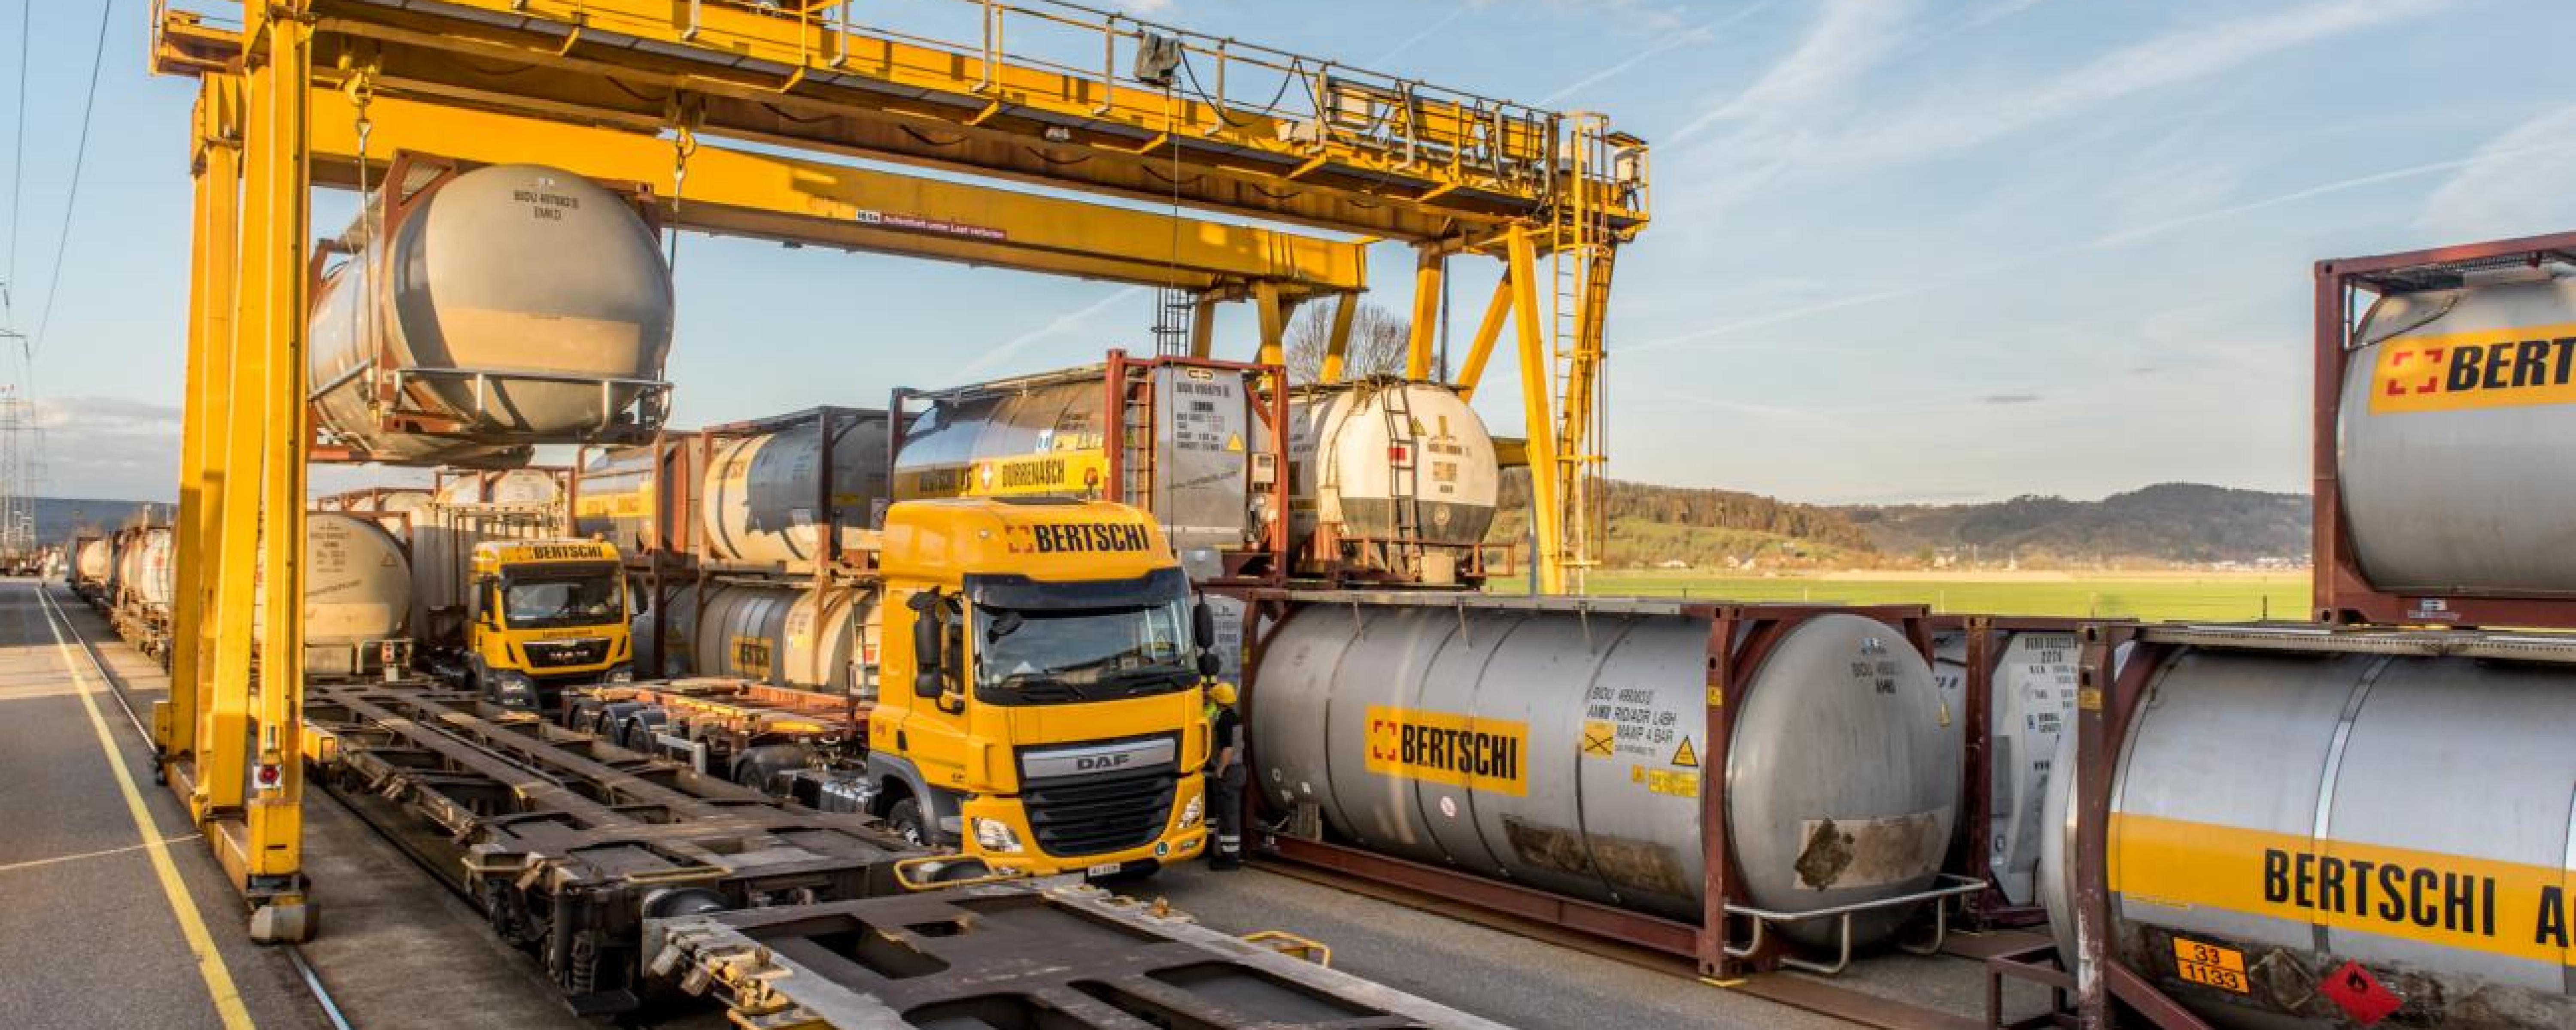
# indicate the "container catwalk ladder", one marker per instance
pixel 1403 473
pixel 1135 430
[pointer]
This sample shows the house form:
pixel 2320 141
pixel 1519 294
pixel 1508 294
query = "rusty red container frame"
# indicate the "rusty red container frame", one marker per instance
pixel 1730 667
pixel 2343 593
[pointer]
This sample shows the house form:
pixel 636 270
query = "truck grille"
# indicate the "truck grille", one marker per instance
pixel 548 654
pixel 1097 814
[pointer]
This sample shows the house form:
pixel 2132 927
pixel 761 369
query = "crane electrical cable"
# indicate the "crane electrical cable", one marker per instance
pixel 71 199
pixel 17 160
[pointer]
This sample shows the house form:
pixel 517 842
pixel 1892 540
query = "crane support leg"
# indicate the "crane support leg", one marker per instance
pixel 1481 349
pixel 1274 322
pixel 1547 567
pixel 1203 327
pixel 1428 267
pixel 243 781
pixel 1337 347
pixel 209 383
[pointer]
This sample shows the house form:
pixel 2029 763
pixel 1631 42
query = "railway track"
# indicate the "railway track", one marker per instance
pixel 61 623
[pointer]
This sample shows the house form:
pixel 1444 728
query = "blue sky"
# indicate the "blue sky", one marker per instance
pixel 1901 251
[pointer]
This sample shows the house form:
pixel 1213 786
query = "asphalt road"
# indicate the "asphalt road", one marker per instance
pixel 1528 983
pixel 88 937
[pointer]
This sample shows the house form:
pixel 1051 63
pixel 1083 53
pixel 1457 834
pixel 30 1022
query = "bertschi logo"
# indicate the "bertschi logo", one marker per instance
pixel 2489 368
pixel 1488 755
pixel 1080 538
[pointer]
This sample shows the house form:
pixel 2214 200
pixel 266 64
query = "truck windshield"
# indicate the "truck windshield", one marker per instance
pixel 549 599
pixel 1049 655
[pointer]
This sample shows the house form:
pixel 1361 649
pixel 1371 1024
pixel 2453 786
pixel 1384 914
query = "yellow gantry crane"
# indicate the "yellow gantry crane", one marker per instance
pixel 741 115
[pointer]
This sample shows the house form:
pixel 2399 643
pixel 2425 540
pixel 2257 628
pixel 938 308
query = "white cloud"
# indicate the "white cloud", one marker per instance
pixel 1671 41
pixel 1847 39
pixel 1057 326
pixel 2173 58
pixel 2516 182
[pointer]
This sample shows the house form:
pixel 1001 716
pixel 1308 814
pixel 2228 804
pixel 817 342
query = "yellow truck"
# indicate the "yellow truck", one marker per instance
pixel 1043 668
pixel 541 615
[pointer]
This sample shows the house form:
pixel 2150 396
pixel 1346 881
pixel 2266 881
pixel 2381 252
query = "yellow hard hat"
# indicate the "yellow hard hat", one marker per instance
pixel 1222 693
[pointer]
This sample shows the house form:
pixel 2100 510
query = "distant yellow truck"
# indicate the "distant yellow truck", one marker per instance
pixel 545 614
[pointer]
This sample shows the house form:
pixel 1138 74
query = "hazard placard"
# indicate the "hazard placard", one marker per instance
pixel 2360 994
pixel 1599 736
pixel 1685 756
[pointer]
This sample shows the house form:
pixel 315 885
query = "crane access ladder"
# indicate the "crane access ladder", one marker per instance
pixel 1583 247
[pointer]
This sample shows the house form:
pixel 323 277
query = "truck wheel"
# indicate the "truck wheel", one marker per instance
pixel 906 819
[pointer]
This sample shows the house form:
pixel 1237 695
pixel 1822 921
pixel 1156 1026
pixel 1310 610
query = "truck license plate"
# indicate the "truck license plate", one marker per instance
pixel 1106 869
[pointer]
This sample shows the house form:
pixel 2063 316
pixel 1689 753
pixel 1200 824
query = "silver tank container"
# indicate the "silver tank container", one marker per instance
pixel 2031 706
pixel 514 487
pixel 613 499
pixel 1387 460
pixel 2457 774
pixel 357 592
pixel 1044 436
pixel 1842 784
pixel 759 492
pixel 789 635
pixel 2444 493
pixel 90 563
pixel 143 566
pixel 550 286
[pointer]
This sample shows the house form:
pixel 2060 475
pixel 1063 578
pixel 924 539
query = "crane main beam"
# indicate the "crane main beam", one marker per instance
pixel 1338 148
pixel 729 191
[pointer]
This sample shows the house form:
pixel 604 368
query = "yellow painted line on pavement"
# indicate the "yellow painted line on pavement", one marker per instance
pixel 210 963
pixel 34 862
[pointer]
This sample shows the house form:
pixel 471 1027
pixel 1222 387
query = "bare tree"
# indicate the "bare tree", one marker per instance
pixel 1379 340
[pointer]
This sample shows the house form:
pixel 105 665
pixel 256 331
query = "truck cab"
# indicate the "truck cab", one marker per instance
pixel 542 615
pixel 1042 672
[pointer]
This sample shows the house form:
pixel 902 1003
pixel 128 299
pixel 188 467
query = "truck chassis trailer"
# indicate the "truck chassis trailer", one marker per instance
pixel 637 882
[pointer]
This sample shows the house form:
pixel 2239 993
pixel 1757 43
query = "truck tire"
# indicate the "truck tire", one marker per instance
pixel 907 822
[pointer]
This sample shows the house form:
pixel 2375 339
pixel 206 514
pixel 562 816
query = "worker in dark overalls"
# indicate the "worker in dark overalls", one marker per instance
pixel 1225 777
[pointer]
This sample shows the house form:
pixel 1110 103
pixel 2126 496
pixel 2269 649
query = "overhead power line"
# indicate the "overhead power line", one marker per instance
pixel 18 152
pixel 71 202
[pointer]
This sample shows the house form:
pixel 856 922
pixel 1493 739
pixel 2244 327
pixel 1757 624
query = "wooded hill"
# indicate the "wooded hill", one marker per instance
pixel 2169 523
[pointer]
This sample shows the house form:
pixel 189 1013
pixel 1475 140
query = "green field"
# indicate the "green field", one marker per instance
pixel 2140 595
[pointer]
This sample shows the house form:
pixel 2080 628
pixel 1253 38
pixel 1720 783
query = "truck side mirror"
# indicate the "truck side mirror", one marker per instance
pixel 925 645
pixel 1202 626
pixel 1209 666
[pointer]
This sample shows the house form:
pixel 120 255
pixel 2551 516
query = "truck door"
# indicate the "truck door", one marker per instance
pixel 931 731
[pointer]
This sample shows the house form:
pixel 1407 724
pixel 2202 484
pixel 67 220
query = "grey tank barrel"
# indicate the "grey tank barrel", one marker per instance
pixel 2449 460
pixel 2277 815
pixel 1558 744
pixel 502 307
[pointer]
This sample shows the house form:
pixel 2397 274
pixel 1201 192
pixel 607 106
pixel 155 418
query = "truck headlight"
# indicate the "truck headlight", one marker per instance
pixel 621 674
pixel 514 690
pixel 996 837
pixel 1192 812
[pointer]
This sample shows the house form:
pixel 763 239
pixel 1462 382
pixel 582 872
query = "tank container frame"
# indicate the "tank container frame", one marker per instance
pixel 2344 594
pixel 1131 386
pixel 1986 636
pixel 675 554
pixel 1730 940
pixel 2110 691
